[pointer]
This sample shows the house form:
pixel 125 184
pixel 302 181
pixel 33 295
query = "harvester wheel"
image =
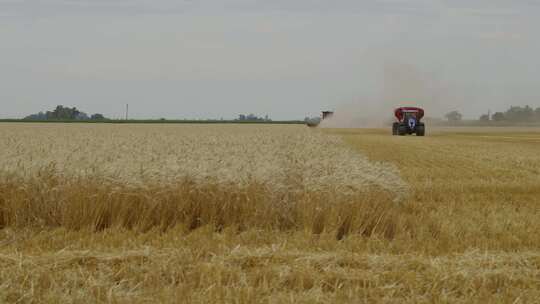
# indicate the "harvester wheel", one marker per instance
pixel 395 128
pixel 402 129
pixel 420 130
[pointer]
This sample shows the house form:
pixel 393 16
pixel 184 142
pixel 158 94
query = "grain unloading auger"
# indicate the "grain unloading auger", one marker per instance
pixel 408 121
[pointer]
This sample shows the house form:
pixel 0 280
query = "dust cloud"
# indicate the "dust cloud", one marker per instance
pixel 401 84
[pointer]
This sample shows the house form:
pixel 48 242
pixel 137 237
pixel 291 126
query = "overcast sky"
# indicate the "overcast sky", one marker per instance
pixel 284 58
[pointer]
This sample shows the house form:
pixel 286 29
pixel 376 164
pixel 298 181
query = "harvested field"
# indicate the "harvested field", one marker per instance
pixel 268 214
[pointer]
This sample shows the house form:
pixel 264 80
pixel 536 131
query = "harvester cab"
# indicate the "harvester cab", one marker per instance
pixel 408 121
pixel 314 122
pixel 327 114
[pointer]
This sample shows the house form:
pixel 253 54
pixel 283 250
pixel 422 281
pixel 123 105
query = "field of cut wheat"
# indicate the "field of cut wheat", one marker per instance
pixel 267 214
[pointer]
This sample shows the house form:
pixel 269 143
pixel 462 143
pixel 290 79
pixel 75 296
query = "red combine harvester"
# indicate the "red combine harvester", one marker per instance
pixel 409 121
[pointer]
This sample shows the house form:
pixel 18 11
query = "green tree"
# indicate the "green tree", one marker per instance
pixel 498 116
pixel 453 116
pixel 484 117
pixel 63 113
pixel 97 116
pixel 520 114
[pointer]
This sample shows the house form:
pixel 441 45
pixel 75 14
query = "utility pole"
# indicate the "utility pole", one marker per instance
pixel 127 111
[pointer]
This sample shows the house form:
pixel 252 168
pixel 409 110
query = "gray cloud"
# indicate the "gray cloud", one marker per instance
pixel 285 58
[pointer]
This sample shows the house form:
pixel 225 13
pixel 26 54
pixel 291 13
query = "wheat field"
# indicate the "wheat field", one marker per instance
pixel 267 214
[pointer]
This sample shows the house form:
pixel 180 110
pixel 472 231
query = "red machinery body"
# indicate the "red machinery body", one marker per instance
pixel 400 113
pixel 409 121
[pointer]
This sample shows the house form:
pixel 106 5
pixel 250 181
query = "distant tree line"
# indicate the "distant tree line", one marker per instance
pixel 453 116
pixel 252 117
pixel 515 114
pixel 65 113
